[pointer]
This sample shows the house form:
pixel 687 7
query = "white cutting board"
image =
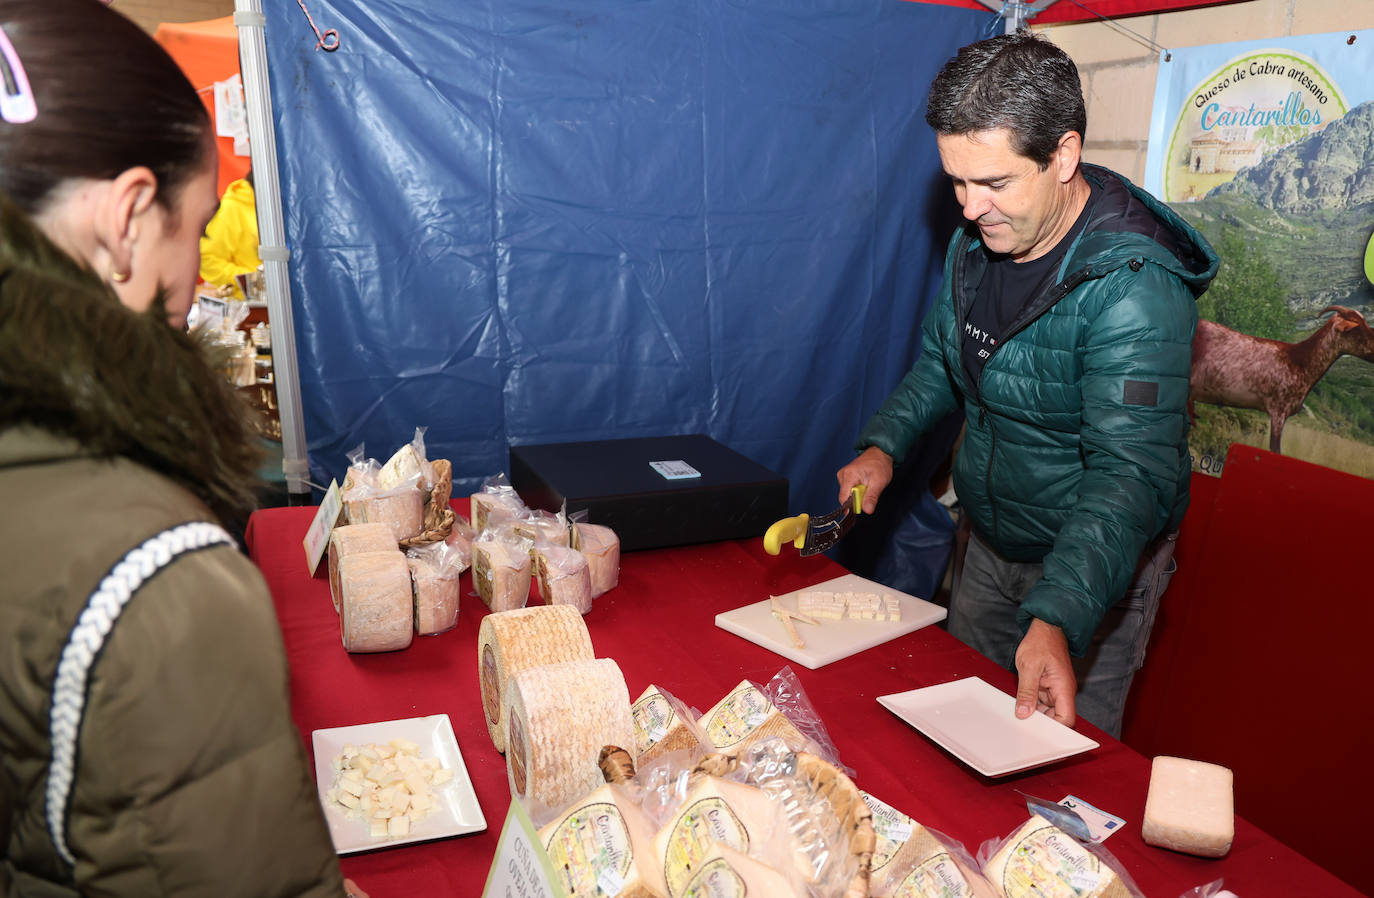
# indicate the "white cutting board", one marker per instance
pixel 829 640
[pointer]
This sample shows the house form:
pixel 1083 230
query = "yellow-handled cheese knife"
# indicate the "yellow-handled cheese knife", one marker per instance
pixel 813 535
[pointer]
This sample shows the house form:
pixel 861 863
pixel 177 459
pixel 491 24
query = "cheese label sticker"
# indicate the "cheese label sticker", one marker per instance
pixel 936 875
pixel 675 470
pixel 317 537
pixel 740 714
pixel 1100 824
pixel 653 717
pixel 716 880
pixel 706 821
pixel 590 849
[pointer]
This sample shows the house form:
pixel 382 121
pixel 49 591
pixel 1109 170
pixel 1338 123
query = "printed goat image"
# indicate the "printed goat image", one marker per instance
pixel 1241 371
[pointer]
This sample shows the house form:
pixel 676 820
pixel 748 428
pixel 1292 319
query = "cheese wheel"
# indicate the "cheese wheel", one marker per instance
pixel 605 841
pixel 746 716
pixel 375 606
pixel 501 569
pixel 563 576
pixel 510 641
pixel 1189 807
pixel 561 716
pixel 491 508
pixel 663 724
pixel 1042 861
pixel 435 590
pixel 350 539
pixel 726 873
pixel 403 510
pixel 602 548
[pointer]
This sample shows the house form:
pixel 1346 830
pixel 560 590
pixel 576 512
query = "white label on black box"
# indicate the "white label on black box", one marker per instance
pixel 675 470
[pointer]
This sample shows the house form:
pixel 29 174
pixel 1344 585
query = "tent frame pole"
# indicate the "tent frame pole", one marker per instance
pixel 251 24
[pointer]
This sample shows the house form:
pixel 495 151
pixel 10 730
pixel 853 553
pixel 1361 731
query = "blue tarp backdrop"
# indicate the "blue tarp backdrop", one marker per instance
pixel 517 222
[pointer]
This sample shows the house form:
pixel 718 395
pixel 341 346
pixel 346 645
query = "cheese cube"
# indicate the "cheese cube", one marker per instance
pixel 1189 807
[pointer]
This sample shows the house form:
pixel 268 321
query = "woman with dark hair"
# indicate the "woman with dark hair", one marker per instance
pixel 146 737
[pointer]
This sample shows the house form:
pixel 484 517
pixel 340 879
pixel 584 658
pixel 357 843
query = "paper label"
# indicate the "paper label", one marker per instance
pixel 317 537
pixel 675 470
pixel 706 821
pixel 653 717
pixel 740 714
pixel 590 849
pixel 1100 824
pixel 936 875
pixel 520 868
pixel 716 880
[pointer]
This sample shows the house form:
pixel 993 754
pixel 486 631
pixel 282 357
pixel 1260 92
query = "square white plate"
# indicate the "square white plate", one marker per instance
pixel 976 722
pixel 458 811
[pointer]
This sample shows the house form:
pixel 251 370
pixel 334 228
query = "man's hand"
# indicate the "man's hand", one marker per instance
pixel 1045 679
pixel 873 468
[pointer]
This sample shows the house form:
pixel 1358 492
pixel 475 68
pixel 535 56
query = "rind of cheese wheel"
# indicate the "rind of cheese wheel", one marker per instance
pixel 663 724
pixel 1190 807
pixel 561 716
pixel 403 510
pixel 351 539
pixel 491 508
pixel 726 873
pixel 746 716
pixel 510 641
pixel 605 838
pixel 436 592
pixel 376 604
pixel 501 570
pixel 602 548
pixel 563 576
pixel 1042 861
pixel 725 812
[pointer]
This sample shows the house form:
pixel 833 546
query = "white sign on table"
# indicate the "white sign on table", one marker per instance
pixel 317 537
pixel 521 868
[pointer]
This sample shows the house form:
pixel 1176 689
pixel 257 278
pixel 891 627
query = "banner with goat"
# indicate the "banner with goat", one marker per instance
pixel 1267 148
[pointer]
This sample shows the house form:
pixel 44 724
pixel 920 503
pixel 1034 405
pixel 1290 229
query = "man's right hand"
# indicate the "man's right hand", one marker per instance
pixel 873 468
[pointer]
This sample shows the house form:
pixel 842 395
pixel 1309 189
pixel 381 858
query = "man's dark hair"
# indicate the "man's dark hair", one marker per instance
pixel 1019 82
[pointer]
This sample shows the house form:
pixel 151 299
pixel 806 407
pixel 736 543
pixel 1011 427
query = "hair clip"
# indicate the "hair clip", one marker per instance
pixel 16 100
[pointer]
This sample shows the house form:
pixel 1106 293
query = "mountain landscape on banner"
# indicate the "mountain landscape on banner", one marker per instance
pixel 1292 231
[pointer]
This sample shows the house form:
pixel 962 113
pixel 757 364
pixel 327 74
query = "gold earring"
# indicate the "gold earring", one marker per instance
pixel 119 277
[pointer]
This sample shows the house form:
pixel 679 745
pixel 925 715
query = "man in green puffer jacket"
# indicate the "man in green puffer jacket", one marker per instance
pixel 1064 329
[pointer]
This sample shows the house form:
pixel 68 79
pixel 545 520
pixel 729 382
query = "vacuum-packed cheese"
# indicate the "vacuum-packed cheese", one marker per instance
pixel 375 605
pixel 726 873
pixel 351 539
pixel 490 508
pixel 510 641
pixel 746 716
pixel 663 724
pixel 539 525
pixel 460 539
pixel 435 585
pixel 402 509
pixel 1042 861
pixel 501 569
pixel 563 576
pixel 602 548
pixel 560 717
pixel 910 862
pixel 602 844
pixel 1189 807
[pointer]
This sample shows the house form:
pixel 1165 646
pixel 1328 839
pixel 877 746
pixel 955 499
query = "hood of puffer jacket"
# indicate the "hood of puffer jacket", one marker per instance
pixel 77 364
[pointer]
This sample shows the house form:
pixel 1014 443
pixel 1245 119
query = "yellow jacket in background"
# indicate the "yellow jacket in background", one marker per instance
pixel 230 244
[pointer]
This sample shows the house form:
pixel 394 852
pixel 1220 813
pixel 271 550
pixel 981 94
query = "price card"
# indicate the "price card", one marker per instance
pixel 317 537
pixel 521 868
pixel 675 470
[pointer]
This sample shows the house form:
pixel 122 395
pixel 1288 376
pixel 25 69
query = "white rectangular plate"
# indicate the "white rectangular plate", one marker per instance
pixel 976 722
pixel 829 640
pixel 458 811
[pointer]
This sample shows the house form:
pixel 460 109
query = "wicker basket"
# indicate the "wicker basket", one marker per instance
pixel 853 822
pixel 439 516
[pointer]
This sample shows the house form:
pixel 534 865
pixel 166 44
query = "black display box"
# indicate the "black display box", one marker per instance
pixel 615 483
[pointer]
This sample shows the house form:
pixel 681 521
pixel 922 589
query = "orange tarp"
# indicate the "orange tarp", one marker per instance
pixel 208 52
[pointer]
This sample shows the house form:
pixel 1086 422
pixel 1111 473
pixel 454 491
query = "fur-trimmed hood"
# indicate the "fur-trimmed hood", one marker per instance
pixel 81 375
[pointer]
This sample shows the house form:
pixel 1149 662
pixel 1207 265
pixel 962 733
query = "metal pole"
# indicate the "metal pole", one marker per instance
pixel 273 251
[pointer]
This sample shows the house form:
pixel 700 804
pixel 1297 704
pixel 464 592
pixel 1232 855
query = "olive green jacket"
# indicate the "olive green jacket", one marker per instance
pixel 190 777
pixel 1075 450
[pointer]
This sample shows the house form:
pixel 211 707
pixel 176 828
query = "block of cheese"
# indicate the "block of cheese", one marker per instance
pixel 746 716
pixel 510 641
pixel 602 548
pixel 726 873
pixel 501 568
pixel 909 861
pixel 402 509
pixel 435 587
pixel 560 717
pixel 539 524
pixel 460 538
pixel 1042 861
pixel 351 539
pixel 376 602
pixel 563 576
pixel 402 468
pixel 664 724
pixel 603 844
pixel 737 815
pixel 492 507
pixel 1189 807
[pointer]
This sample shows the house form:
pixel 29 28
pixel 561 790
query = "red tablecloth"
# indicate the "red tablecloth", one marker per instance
pixel 659 626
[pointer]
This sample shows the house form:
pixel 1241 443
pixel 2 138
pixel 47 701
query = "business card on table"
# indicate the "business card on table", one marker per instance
pixel 675 470
pixel 1100 824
